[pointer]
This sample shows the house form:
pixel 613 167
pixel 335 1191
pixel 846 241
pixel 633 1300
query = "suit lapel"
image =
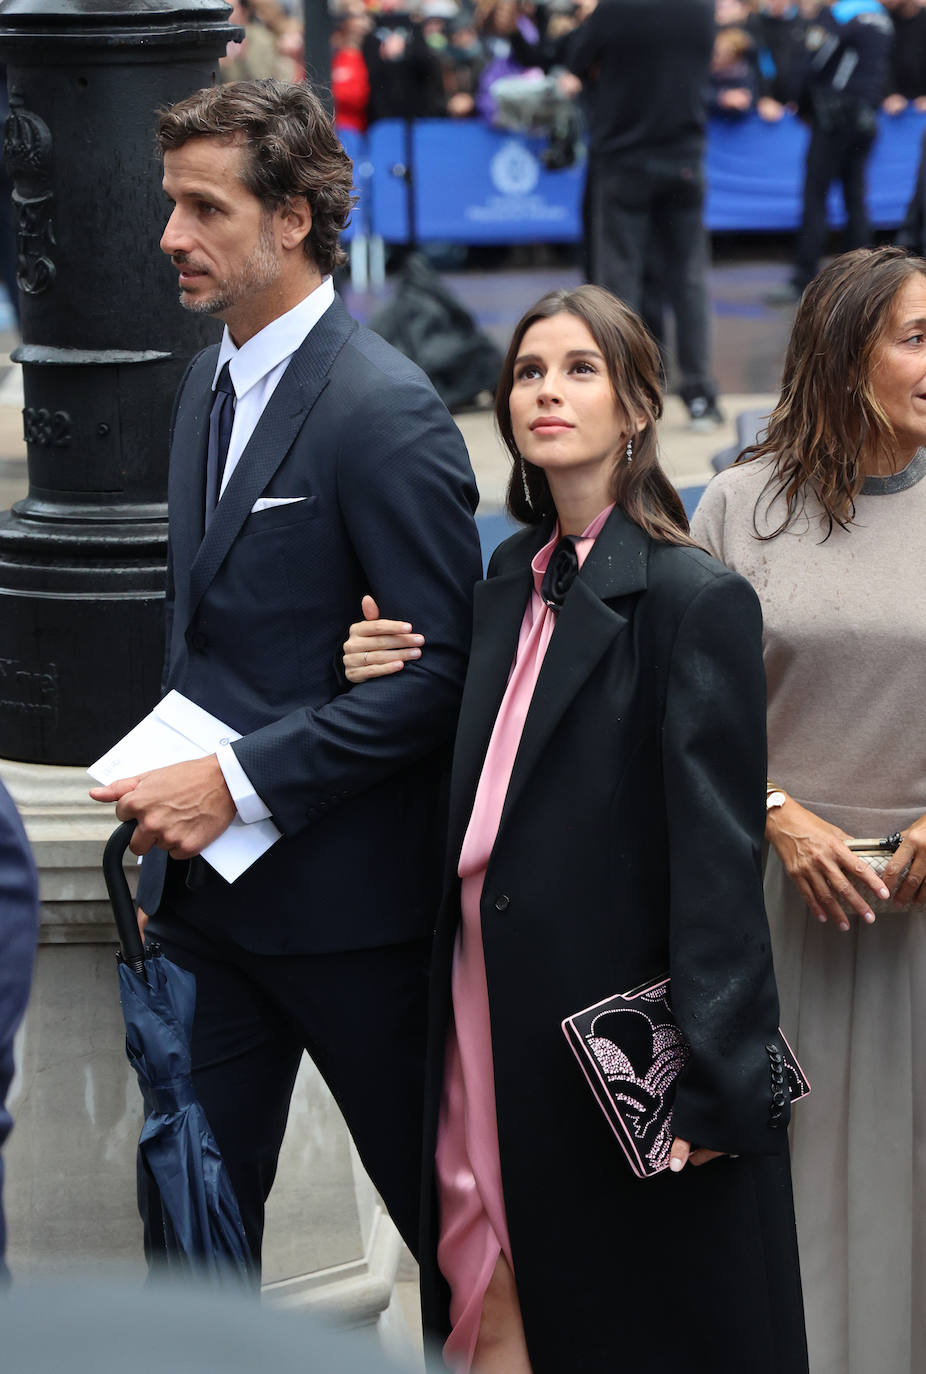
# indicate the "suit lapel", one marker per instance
pixel 585 630
pixel 299 388
pixel 187 475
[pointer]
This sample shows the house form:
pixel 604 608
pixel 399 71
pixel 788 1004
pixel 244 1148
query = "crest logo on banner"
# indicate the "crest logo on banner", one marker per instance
pixel 514 170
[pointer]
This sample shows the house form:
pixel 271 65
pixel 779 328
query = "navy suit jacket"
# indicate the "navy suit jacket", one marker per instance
pixel 19 918
pixel 257 611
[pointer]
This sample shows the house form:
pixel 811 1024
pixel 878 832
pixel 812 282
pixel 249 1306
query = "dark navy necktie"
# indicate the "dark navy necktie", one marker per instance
pixel 221 419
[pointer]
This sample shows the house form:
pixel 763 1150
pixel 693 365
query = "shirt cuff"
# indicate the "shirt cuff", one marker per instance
pixel 249 805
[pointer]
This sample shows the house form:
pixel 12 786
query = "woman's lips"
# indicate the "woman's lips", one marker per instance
pixel 553 424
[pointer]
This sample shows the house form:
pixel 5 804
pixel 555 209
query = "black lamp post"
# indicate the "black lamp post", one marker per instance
pixel 317 40
pixel 104 345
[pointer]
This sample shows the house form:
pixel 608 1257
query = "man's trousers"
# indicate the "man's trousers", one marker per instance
pixel 836 155
pixel 361 1015
pixel 647 222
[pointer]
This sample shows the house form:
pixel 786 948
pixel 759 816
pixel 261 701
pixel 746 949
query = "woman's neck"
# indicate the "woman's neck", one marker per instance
pixel 885 464
pixel 577 502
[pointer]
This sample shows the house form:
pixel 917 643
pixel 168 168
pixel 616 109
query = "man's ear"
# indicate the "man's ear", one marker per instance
pixel 295 221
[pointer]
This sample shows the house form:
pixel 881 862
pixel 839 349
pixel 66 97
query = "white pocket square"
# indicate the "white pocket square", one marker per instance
pixel 268 502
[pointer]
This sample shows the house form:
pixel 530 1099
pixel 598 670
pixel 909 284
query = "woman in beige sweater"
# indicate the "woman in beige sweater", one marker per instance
pixel 827 519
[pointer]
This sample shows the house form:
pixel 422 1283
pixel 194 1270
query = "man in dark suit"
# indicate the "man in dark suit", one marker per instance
pixel 342 472
pixel 19 919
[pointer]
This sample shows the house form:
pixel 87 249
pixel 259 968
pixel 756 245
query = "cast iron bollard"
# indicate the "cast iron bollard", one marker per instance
pixel 104 346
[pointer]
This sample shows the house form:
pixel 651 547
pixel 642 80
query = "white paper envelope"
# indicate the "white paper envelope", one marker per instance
pixel 175 731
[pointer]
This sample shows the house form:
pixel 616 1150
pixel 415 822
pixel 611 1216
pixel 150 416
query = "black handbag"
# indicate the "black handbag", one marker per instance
pixel 631 1051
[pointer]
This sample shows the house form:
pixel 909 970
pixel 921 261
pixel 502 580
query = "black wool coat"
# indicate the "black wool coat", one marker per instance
pixel 629 844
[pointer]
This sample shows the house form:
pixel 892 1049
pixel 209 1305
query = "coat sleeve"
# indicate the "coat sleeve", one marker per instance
pixel 723 985
pixel 407 496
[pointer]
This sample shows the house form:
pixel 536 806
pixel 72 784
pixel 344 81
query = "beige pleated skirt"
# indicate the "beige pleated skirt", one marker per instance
pixel 853 1006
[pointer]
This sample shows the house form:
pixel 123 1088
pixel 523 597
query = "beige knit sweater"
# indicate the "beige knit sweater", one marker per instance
pixel 844 641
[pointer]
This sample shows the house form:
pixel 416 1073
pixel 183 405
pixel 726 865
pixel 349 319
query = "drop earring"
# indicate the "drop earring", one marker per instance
pixel 527 490
pixel 630 450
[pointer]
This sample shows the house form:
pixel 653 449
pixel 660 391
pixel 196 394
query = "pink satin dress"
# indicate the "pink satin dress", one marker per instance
pixel 473 1226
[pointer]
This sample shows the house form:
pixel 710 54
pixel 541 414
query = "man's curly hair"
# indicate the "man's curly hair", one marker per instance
pixel 291 149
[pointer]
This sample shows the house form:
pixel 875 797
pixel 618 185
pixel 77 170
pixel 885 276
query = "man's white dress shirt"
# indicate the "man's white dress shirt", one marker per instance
pixel 255 369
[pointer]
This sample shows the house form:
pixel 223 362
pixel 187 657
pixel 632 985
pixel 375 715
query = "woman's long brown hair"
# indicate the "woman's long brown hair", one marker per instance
pixel 640 488
pixel 828 425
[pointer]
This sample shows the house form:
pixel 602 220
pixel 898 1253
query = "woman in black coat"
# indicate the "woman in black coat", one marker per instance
pixel 625 841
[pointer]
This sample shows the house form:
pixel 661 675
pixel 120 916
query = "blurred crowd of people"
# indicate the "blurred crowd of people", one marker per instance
pixel 440 58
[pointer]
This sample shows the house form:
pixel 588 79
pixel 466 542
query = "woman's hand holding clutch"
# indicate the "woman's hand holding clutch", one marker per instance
pixel 682 1154
pixel 376 648
pixel 817 859
pixel 910 856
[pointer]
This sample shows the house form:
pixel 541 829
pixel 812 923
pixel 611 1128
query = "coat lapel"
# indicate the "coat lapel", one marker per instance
pixel 586 628
pixel 498 609
pixel 299 388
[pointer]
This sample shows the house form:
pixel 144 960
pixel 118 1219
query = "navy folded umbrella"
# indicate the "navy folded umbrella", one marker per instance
pixel 202 1223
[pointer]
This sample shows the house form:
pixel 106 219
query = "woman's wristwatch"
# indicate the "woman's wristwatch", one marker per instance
pixel 774 796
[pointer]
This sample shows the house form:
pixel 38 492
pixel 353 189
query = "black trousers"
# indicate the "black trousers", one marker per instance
pixel 361 1015
pixel 833 155
pixel 648 242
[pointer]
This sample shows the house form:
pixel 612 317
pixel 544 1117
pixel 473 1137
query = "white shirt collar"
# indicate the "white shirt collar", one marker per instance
pixel 274 343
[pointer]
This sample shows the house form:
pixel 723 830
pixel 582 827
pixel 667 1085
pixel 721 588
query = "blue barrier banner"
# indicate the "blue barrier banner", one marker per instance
pixel 486 186
pixel 474 184
pixel 386 142
pixel 354 145
pixel 755 172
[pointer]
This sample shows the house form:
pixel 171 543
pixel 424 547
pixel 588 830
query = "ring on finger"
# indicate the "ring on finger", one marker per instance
pixel 365 659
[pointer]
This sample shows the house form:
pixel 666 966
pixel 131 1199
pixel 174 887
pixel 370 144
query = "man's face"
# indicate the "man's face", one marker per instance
pixel 223 242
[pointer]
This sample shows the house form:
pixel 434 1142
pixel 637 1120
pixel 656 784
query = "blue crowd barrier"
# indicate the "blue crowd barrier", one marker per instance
pixel 354 145
pixel 755 172
pixel 472 184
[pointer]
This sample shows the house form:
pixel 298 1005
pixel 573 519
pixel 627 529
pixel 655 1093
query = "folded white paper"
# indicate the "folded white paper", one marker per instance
pixel 175 731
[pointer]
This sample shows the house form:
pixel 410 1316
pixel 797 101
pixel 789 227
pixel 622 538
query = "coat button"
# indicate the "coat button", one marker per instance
pixel 200 641
pixel 502 903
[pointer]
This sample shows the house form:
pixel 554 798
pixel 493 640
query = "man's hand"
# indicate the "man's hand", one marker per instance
pixel 181 809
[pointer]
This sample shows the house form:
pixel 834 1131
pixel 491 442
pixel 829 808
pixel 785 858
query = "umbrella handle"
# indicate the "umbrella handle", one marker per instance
pixel 131 943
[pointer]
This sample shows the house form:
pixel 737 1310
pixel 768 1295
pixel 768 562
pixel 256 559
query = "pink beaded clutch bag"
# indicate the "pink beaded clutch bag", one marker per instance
pixel 631 1052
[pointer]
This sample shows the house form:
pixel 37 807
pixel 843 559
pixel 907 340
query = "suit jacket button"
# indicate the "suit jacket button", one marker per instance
pixel 200 640
pixel 502 903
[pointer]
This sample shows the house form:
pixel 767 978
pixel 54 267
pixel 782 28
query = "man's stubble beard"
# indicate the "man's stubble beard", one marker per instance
pixel 259 271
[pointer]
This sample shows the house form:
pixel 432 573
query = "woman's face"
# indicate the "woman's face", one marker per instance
pixel 563 412
pixel 898 368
